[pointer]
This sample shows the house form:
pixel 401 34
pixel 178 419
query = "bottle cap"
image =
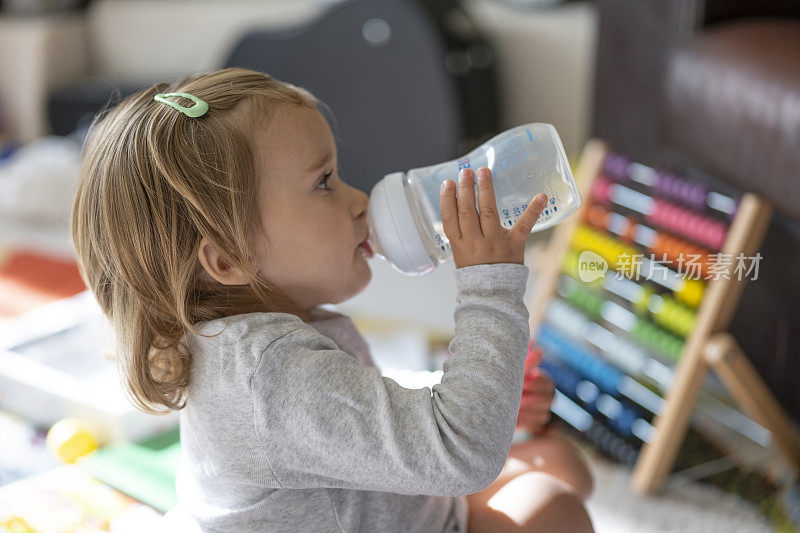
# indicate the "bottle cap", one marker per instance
pixel 392 224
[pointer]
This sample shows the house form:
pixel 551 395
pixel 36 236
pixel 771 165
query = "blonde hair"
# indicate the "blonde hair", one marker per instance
pixel 153 182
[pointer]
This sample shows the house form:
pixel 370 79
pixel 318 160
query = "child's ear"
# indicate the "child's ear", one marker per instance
pixel 215 265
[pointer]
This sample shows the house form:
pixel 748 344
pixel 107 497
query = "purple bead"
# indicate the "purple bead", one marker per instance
pixel 658 187
pixel 698 196
pixel 659 184
pixel 684 188
pixel 674 187
pixel 616 166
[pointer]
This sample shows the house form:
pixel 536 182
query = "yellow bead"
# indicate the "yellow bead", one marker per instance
pixel 70 439
pixel 691 292
pixel 640 306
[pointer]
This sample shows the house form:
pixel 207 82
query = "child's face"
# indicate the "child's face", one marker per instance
pixel 314 224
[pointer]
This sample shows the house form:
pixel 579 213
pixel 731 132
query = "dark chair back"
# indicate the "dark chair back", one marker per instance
pixel 379 66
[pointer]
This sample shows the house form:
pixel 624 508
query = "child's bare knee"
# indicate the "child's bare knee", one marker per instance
pixel 531 501
pixel 575 470
pixel 564 511
pixel 556 455
pixel 579 476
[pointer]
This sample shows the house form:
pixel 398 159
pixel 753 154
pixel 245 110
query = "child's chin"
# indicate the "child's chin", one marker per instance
pixel 369 277
pixel 364 280
pixel 356 288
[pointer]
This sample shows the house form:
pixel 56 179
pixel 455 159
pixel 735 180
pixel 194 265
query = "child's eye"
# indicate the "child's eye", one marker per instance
pixel 323 183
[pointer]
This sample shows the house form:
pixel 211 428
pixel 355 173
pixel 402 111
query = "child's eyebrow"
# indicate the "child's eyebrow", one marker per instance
pixel 320 163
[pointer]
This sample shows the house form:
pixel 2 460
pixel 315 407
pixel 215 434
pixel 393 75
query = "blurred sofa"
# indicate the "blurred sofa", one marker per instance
pixel 712 88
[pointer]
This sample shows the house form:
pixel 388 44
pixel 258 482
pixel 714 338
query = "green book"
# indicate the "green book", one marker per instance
pixel 143 470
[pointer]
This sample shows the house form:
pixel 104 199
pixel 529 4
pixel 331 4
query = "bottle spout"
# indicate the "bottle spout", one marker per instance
pixel 372 239
pixel 393 235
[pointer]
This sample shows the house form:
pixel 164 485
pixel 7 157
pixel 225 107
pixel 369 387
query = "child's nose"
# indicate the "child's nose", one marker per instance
pixel 358 204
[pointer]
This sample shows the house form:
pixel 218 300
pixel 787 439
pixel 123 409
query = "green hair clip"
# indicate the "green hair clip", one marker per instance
pixel 197 110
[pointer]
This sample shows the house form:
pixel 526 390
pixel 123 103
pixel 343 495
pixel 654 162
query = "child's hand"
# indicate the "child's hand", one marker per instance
pixel 537 396
pixel 480 239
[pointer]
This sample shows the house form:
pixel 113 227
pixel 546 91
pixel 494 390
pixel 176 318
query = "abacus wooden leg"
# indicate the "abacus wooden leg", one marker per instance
pixel 725 356
pixel 658 455
pixel 721 296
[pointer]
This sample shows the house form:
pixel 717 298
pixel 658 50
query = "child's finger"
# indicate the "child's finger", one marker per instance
pixel 449 207
pixel 467 212
pixel 534 423
pixel 536 356
pixel 534 419
pixel 537 389
pixel 537 380
pixel 536 398
pixel 524 225
pixel 536 405
pixel 532 416
pixel 536 402
pixel 537 376
pixel 487 204
pixel 536 410
pixel 541 423
pixel 534 374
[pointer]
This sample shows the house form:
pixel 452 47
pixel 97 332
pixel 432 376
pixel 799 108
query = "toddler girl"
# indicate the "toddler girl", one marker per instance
pixel 211 236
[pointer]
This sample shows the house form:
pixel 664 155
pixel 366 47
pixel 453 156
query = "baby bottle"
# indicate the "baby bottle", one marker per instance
pixel 404 216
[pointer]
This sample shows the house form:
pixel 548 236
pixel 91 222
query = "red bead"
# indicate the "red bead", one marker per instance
pixel 600 189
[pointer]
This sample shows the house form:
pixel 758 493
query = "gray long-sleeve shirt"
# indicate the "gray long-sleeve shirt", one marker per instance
pixel 289 426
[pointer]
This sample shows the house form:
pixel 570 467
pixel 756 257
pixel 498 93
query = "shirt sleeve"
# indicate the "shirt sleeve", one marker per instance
pixel 326 421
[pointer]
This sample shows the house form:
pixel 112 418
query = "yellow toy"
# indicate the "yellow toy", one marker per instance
pixel 70 439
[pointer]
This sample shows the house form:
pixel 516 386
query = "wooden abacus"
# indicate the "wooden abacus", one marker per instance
pixel 707 346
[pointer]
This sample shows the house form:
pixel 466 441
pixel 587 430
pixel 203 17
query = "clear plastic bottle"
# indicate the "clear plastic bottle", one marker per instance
pixel 404 216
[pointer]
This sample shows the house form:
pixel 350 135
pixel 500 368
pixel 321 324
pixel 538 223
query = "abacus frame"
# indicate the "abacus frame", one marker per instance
pixel 708 346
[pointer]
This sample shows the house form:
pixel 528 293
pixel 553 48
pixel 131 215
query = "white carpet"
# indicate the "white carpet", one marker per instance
pixel 615 507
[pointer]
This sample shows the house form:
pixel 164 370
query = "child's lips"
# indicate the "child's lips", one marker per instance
pixel 367 249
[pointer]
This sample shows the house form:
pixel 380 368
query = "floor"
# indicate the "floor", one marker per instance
pixel 615 507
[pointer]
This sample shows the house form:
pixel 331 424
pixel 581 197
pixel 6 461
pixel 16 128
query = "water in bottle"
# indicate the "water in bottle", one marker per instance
pixel 404 216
